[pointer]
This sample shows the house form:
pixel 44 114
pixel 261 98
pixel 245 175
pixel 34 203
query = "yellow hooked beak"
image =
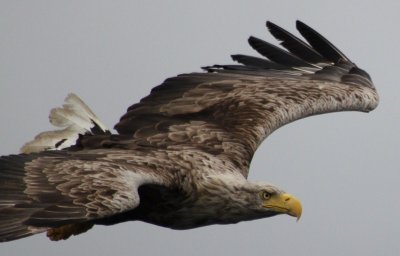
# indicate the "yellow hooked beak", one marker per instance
pixel 284 203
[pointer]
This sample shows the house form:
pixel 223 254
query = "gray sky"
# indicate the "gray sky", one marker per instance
pixel 343 166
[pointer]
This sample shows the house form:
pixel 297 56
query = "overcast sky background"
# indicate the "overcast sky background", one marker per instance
pixel 343 166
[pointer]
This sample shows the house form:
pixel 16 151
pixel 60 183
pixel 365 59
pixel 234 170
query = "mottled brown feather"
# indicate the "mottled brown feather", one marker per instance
pixel 185 149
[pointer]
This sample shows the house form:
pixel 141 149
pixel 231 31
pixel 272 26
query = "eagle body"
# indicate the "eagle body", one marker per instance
pixel 181 156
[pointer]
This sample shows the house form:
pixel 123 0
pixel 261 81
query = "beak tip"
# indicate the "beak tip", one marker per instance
pixel 295 207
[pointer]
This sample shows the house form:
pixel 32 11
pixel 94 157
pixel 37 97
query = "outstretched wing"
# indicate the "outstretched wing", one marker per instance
pixel 53 189
pixel 226 112
pixel 231 109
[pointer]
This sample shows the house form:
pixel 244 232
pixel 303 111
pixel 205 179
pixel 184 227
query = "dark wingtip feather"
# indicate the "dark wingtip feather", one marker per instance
pixel 255 62
pixel 314 56
pixel 12 187
pixel 294 44
pixel 358 76
pixel 219 68
pixel 320 43
pixel 275 53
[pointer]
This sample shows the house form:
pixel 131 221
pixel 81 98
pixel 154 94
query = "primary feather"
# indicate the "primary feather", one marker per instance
pixel 182 154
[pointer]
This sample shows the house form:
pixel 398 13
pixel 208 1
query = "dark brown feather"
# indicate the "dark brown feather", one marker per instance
pixel 180 143
pixel 229 112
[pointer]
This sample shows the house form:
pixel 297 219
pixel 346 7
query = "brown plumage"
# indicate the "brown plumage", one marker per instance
pixel 182 154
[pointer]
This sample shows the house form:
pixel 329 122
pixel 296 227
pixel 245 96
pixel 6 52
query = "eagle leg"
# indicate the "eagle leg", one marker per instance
pixel 64 232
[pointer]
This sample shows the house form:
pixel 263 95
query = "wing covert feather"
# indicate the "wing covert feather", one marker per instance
pixel 182 130
pixel 231 109
pixel 51 189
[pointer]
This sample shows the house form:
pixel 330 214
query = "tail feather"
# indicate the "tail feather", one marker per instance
pixel 75 118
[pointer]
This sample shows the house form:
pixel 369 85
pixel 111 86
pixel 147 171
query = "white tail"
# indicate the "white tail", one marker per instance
pixel 75 117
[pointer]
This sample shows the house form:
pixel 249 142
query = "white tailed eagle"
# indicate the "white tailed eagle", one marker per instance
pixel 182 154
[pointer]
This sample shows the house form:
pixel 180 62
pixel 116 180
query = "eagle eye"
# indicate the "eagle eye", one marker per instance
pixel 265 195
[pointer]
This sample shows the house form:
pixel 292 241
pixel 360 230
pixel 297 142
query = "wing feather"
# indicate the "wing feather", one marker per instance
pixel 170 134
pixel 52 189
pixel 231 109
pixel 276 54
pixel 295 45
pixel 320 43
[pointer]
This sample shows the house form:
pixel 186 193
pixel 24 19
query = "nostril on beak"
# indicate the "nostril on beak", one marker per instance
pixel 287 199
